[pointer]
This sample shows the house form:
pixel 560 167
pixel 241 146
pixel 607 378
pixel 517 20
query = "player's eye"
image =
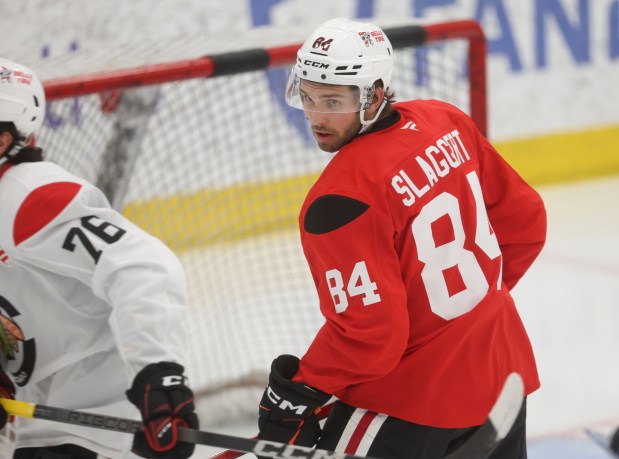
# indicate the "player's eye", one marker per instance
pixel 306 99
pixel 333 103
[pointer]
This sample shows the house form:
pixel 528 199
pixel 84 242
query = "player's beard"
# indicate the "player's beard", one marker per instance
pixel 336 141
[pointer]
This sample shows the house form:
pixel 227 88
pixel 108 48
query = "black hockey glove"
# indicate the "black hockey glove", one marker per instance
pixel 166 403
pixel 288 409
pixel 7 390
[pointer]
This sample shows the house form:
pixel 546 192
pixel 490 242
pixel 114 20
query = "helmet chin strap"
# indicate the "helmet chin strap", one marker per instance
pixel 9 153
pixel 365 124
pixel 17 146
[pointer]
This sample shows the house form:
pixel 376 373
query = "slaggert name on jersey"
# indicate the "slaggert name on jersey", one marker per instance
pixel 435 162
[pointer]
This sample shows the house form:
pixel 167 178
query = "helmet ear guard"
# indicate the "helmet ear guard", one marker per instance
pixel 343 52
pixel 368 96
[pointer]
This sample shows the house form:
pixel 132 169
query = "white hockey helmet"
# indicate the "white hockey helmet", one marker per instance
pixel 22 98
pixel 343 52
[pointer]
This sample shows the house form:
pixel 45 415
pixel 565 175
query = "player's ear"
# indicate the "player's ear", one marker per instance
pixel 377 99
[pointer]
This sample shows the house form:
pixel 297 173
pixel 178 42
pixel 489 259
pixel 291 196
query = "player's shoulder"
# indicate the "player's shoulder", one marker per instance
pixel 432 119
pixel 34 194
pixel 329 212
pixel 39 184
pixel 44 169
pixel 29 176
pixel 430 108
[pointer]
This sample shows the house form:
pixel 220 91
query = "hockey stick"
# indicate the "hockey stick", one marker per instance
pixel 99 421
pixel 479 446
pixel 485 439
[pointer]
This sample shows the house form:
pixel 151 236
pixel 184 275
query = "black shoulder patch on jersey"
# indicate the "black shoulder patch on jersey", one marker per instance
pixel 332 211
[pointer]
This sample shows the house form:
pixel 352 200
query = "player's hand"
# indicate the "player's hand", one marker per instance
pixel 7 390
pixel 288 409
pixel 166 403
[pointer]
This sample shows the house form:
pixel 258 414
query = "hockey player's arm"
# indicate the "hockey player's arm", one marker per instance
pixel 69 229
pixel 349 247
pixel 515 210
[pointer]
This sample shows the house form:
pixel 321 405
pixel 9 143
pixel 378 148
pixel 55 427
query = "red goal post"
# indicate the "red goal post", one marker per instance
pixel 203 153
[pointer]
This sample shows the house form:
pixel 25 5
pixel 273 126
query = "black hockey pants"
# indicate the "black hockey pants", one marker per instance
pixel 363 433
pixel 55 452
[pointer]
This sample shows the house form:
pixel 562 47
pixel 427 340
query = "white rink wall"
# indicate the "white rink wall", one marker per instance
pixel 553 64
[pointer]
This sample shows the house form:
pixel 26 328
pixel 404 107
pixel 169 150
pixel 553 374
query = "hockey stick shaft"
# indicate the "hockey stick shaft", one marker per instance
pixel 81 418
pixel 117 424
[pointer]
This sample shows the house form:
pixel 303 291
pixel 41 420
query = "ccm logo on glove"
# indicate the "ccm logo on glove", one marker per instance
pixel 173 380
pixel 285 404
pixel 287 408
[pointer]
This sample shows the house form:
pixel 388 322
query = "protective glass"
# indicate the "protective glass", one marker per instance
pixel 321 97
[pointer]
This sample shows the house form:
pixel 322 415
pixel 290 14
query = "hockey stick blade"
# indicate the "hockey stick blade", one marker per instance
pixel 603 441
pixel 246 445
pixel 262 448
pixel 499 422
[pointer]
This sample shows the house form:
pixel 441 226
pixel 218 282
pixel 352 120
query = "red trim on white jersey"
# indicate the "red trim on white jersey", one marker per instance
pixel 41 206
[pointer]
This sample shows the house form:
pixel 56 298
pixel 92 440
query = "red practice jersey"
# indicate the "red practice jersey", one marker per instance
pixel 415 234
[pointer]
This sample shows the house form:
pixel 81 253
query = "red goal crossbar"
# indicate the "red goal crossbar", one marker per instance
pixel 263 58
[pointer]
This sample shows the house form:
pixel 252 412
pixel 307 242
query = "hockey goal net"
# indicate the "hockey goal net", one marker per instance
pixel 203 153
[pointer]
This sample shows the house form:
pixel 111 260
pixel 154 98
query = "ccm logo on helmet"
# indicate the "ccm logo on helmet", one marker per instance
pixel 319 65
pixel 285 404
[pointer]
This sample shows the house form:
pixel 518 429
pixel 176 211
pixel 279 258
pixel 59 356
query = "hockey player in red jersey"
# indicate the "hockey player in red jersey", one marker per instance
pixel 415 233
pixel 91 307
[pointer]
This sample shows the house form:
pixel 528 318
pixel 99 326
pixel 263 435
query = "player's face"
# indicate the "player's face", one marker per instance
pixel 6 139
pixel 332 127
